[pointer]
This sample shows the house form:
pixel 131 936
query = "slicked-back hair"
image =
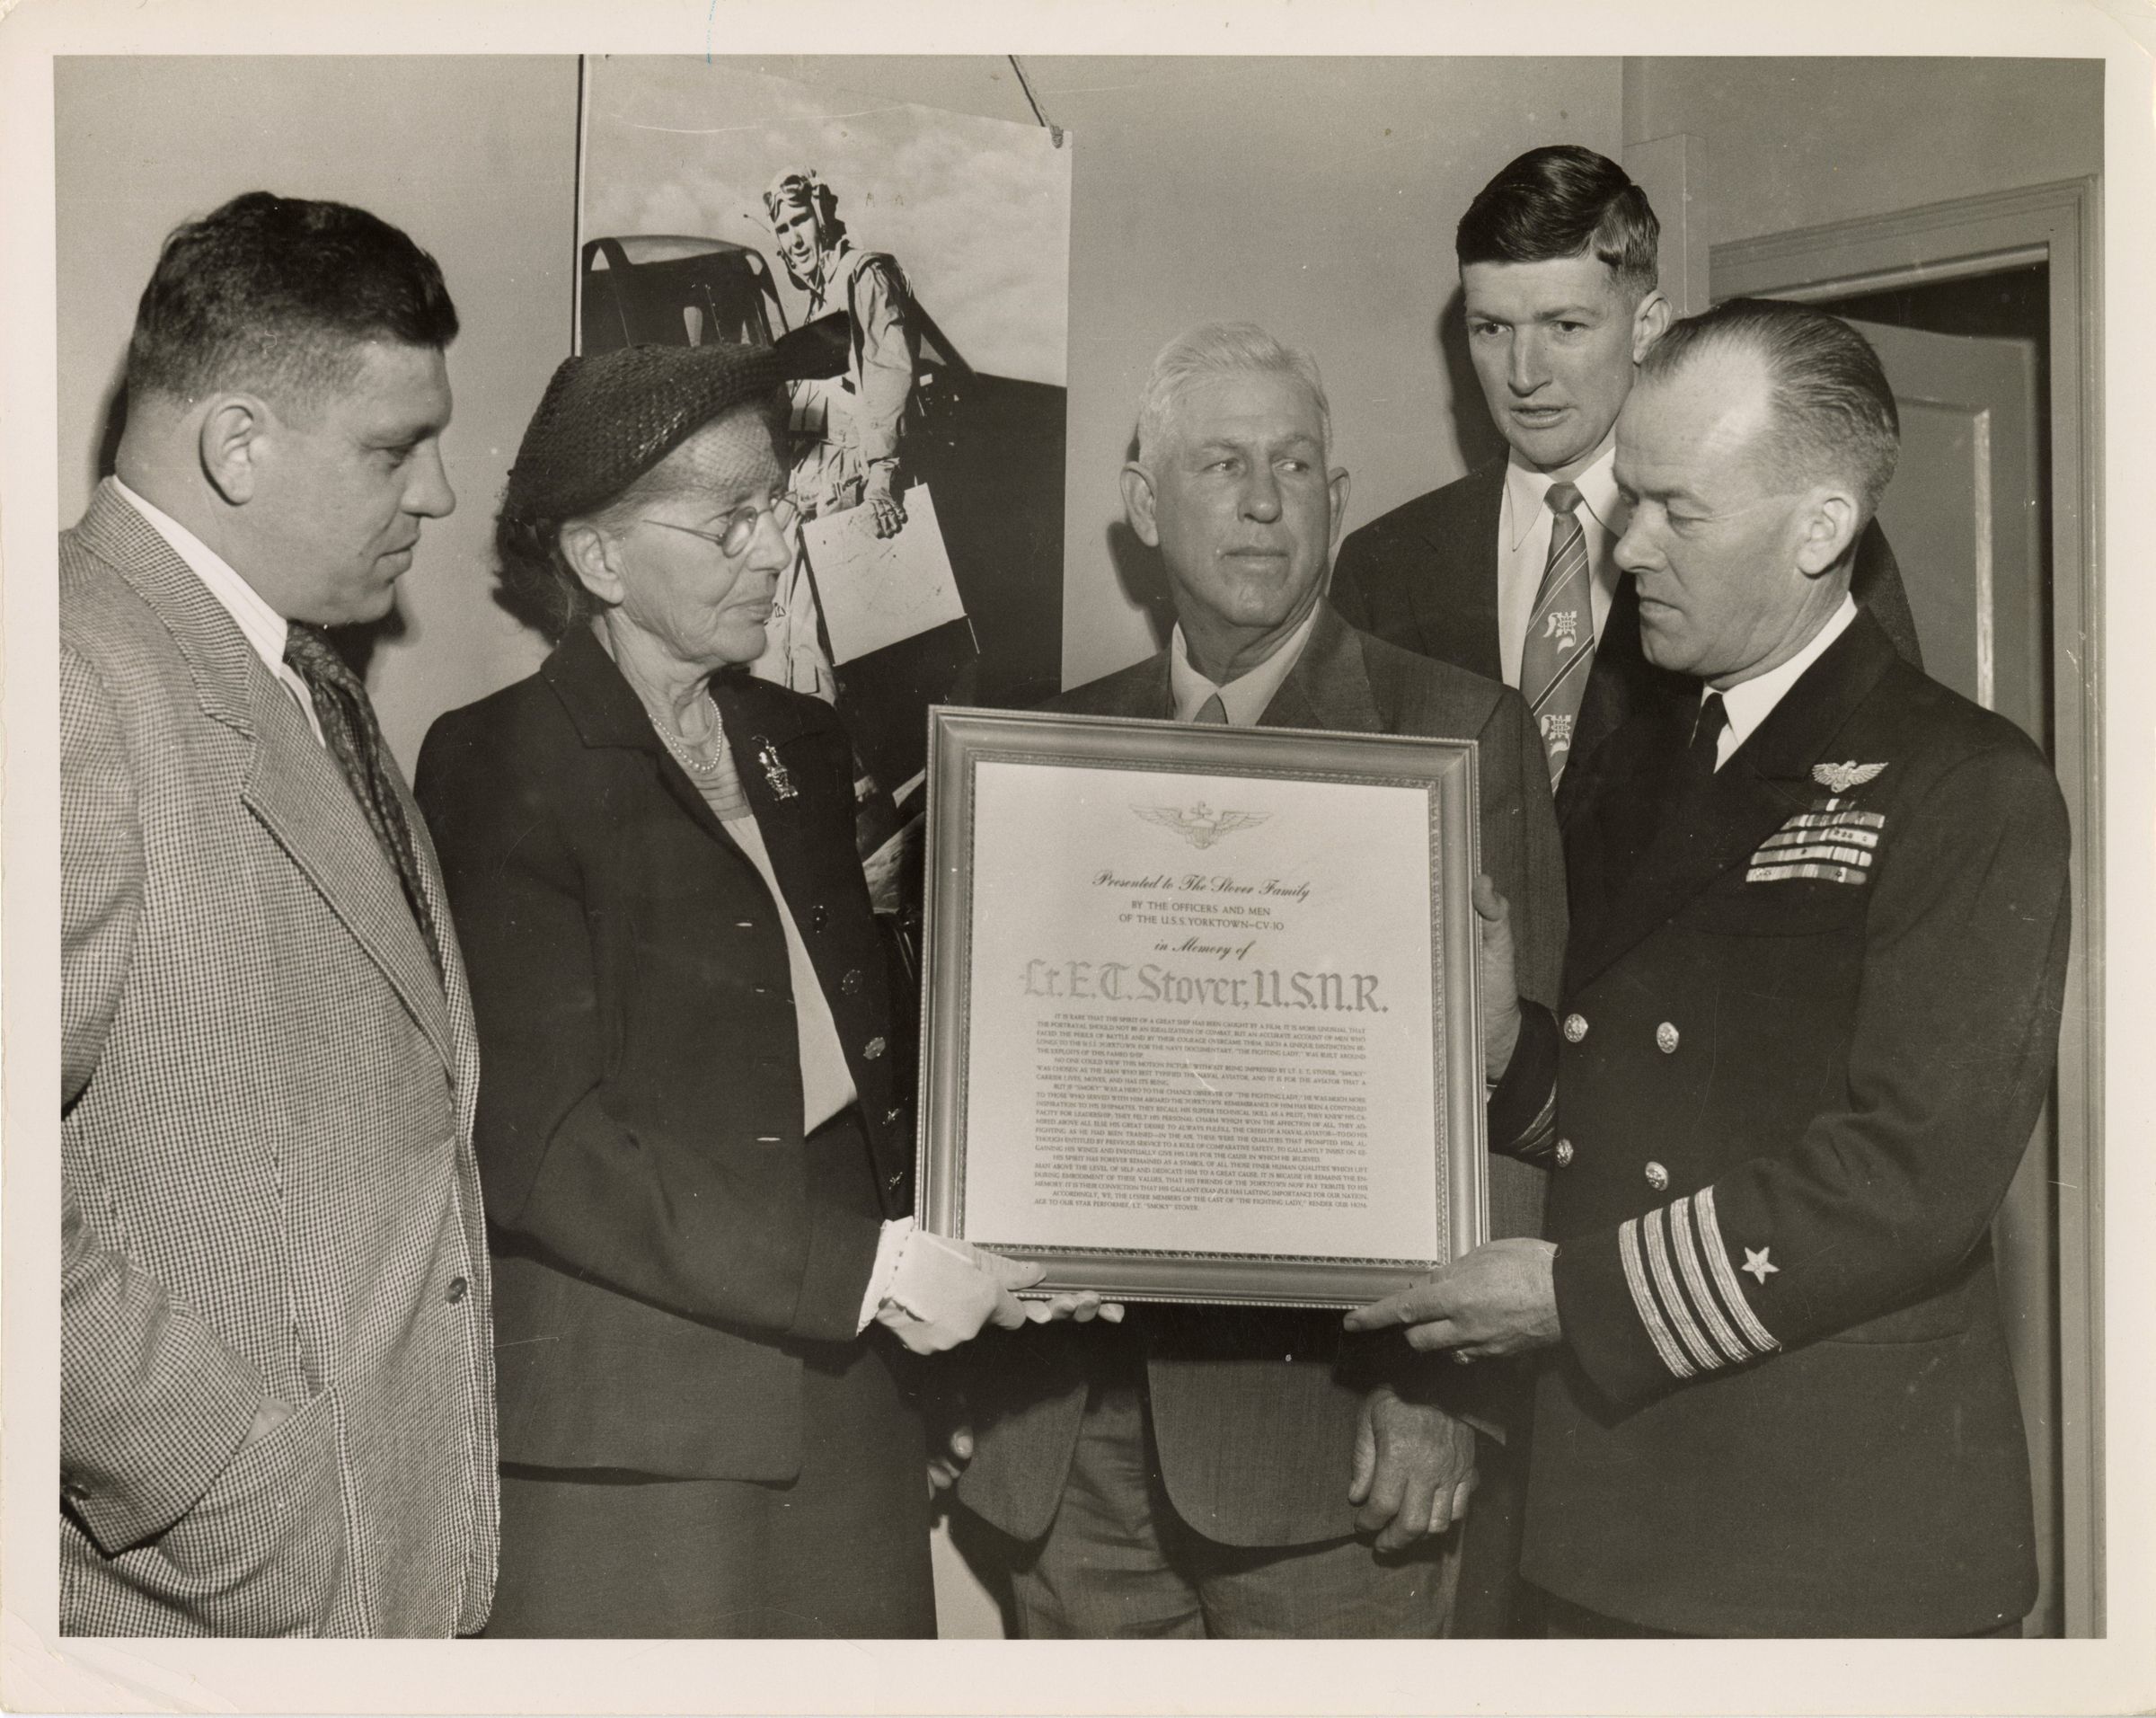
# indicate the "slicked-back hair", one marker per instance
pixel 1216 350
pixel 1833 411
pixel 277 294
pixel 1563 202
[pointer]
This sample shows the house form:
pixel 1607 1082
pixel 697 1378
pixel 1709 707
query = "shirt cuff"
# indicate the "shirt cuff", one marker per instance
pixel 891 1246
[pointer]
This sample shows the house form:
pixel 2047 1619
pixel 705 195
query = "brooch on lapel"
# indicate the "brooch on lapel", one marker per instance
pixel 776 774
pixel 1831 841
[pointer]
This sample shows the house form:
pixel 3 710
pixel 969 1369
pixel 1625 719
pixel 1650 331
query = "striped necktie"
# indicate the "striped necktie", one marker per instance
pixel 355 741
pixel 1560 633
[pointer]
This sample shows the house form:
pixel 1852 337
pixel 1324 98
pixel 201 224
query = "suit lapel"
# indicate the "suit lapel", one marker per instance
pixel 298 793
pixel 1328 687
pixel 1696 837
pixel 1458 612
pixel 290 784
pixel 1152 692
pixel 218 653
pixel 761 729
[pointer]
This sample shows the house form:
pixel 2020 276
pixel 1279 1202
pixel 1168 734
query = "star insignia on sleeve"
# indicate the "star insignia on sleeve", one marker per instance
pixel 1839 778
pixel 1759 1265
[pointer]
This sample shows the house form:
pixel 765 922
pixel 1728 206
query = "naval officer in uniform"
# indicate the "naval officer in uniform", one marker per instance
pixel 1810 1012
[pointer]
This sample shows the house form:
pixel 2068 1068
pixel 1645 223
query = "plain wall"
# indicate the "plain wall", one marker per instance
pixel 474 157
pixel 1791 143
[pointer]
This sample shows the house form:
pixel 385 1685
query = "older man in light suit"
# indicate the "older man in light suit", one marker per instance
pixel 1211 1471
pixel 277 1407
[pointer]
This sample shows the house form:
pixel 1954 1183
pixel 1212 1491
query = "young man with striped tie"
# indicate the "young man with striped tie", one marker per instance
pixel 1508 572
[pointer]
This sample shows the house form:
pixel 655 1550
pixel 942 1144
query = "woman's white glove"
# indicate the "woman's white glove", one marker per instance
pixel 943 1291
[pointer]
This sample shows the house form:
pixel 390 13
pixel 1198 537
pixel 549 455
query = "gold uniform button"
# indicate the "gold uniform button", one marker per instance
pixel 873 1048
pixel 1658 1177
pixel 1666 1039
pixel 1576 1028
pixel 1564 1154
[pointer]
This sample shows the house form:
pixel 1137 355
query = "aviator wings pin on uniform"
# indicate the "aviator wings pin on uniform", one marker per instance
pixel 1830 841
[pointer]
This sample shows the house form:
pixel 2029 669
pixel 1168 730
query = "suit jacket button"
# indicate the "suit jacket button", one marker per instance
pixel 850 981
pixel 457 1286
pixel 1564 1154
pixel 1666 1039
pixel 1576 1028
pixel 1658 1177
pixel 873 1048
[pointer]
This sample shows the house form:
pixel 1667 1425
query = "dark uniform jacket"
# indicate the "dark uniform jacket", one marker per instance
pixel 664 1243
pixel 1811 1011
pixel 1425 577
pixel 1255 1411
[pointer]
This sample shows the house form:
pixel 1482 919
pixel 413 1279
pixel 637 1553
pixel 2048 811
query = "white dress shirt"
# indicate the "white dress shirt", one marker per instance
pixel 1523 524
pixel 1244 697
pixel 1751 702
pixel 262 627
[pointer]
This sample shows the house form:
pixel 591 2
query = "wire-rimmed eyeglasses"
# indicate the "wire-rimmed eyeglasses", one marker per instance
pixel 733 538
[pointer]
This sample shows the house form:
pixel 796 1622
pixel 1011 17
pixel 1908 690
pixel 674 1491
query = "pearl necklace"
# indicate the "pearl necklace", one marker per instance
pixel 683 755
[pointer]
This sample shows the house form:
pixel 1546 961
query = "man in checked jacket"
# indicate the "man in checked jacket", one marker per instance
pixel 1810 1012
pixel 277 1384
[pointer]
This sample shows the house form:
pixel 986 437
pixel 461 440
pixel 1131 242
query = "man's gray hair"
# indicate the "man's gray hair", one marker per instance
pixel 1216 349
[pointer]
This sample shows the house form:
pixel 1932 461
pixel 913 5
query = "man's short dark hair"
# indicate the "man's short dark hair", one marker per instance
pixel 1833 410
pixel 275 293
pixel 1564 202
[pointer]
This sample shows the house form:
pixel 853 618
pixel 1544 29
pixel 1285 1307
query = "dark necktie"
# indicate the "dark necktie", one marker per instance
pixel 355 740
pixel 1706 737
pixel 1213 713
pixel 1559 650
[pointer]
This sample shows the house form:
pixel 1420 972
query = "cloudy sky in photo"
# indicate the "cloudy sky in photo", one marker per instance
pixel 977 211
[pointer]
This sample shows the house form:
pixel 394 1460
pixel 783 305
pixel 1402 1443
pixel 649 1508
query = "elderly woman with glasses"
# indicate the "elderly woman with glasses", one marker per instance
pixel 695 1153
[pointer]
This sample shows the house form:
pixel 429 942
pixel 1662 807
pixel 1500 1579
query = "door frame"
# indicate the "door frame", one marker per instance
pixel 2057 224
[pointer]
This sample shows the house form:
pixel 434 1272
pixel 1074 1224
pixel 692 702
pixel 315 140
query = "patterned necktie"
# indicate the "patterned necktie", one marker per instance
pixel 1560 631
pixel 1213 713
pixel 354 739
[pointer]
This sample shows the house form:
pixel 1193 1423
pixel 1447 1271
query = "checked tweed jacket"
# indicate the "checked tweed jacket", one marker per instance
pixel 266 1133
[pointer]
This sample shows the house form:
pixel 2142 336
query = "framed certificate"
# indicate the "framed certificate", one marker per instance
pixel 1201 1019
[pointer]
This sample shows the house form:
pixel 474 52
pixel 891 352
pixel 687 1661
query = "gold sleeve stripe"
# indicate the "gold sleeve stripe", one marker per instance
pixel 1643 1302
pixel 1695 1280
pixel 1680 1310
pixel 1725 1275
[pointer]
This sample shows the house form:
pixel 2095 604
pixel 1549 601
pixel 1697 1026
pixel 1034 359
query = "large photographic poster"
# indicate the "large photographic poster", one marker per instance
pixel 911 267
